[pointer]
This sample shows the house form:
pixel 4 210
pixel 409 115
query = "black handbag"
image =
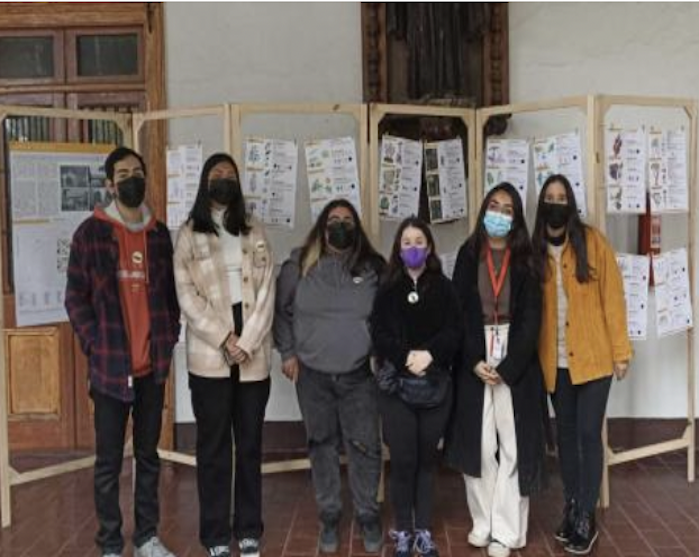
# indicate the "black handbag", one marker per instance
pixel 425 391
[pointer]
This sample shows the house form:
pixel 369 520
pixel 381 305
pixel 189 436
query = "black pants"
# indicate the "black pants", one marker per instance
pixel 580 413
pixel 336 408
pixel 225 408
pixel 412 436
pixel 111 417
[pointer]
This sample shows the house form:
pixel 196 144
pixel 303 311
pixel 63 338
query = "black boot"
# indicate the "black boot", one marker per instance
pixel 567 525
pixel 584 536
pixel 329 540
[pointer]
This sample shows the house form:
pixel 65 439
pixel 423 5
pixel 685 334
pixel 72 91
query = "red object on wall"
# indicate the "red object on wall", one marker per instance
pixel 649 235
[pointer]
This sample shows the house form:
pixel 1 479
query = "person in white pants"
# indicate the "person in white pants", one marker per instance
pixel 499 377
pixel 498 510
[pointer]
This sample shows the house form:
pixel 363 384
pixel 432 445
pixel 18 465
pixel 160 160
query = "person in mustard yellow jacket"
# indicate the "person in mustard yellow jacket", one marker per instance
pixel 583 342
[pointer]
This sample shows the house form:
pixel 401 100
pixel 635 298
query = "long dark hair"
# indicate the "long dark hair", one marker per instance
pixel 235 219
pixel 395 268
pixel 361 254
pixel 575 228
pixel 517 240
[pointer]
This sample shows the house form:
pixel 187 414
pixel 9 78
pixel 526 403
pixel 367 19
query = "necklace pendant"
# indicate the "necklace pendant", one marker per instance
pixel 413 298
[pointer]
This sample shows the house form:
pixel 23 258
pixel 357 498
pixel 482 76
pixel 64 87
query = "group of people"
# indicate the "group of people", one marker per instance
pixel 377 349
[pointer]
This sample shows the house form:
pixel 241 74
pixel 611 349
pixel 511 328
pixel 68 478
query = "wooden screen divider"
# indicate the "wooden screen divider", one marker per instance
pixel 368 118
pixel 9 477
pixel 595 107
pixel 603 103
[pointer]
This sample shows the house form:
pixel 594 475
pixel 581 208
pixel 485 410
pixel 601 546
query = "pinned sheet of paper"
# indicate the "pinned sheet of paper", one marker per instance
pixel 673 303
pixel 635 272
pixel 507 160
pixel 269 180
pixel 400 177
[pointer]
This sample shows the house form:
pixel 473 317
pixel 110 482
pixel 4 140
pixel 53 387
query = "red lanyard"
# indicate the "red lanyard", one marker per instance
pixel 497 281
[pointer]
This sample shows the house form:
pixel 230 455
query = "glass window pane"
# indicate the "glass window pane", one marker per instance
pixel 107 55
pixel 26 57
pixel 27 128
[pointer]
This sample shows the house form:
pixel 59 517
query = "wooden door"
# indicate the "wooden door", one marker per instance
pixel 112 61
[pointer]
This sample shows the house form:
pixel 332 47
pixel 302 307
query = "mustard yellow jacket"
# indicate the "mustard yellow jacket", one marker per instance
pixel 596 329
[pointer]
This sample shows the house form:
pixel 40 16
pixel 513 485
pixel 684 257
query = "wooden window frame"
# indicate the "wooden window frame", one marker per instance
pixel 71 50
pixel 58 62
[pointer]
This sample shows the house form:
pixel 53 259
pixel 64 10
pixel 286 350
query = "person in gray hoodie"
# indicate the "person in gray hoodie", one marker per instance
pixel 325 295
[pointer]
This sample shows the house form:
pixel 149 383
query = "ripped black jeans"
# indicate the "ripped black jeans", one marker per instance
pixel 337 408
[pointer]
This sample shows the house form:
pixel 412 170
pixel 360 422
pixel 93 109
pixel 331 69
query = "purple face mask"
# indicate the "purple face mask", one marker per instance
pixel 414 257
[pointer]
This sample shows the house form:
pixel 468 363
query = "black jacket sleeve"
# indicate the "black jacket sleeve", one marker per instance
pixel 465 273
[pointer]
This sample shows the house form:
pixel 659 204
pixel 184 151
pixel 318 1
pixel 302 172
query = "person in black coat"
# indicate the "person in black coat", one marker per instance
pixel 416 332
pixel 496 433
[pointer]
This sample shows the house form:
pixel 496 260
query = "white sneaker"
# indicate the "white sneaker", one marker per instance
pixel 496 549
pixel 219 551
pixel 478 540
pixel 249 547
pixel 153 548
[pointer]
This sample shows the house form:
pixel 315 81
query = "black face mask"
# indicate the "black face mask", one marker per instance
pixel 341 235
pixel 224 191
pixel 131 191
pixel 556 215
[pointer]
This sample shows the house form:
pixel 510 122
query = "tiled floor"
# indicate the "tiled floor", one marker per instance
pixel 654 512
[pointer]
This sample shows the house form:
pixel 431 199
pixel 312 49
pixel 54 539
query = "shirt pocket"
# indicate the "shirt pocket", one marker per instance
pixel 260 254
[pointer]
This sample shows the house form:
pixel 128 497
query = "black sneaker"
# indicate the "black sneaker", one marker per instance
pixel 567 525
pixel 372 536
pixel 329 540
pixel 424 545
pixel 404 542
pixel 584 536
pixel 219 551
pixel 249 547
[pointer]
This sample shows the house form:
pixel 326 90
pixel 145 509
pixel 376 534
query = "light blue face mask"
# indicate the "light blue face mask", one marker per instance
pixel 496 224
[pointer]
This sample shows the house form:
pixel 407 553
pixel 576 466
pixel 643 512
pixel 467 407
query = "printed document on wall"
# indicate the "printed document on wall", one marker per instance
pixel 53 187
pixel 635 271
pixel 507 160
pixel 183 167
pixel 332 170
pixel 561 154
pixel 400 177
pixel 673 304
pixel 625 170
pixel 445 175
pixel 667 170
pixel 269 180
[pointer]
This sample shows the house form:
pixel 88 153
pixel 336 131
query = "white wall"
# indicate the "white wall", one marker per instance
pixel 559 50
pixel 312 52
pixel 260 52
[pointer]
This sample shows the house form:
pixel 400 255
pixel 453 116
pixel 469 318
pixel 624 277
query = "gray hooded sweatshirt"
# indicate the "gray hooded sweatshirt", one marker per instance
pixel 323 318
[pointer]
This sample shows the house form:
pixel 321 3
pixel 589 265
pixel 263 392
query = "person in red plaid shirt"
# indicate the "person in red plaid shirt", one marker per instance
pixel 122 304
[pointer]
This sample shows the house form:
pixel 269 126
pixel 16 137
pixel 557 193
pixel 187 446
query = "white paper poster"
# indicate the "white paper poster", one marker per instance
pixel 400 177
pixel 332 172
pixel 561 154
pixel 183 166
pixel 667 170
pixel 445 176
pixel 625 170
pixel 54 187
pixel 269 180
pixel 635 271
pixel 507 160
pixel 673 304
